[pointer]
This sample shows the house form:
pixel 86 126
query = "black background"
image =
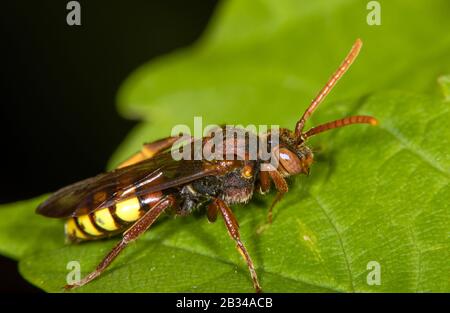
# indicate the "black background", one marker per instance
pixel 281 302
pixel 59 82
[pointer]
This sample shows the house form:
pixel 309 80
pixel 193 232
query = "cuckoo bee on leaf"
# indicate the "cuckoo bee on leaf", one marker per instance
pixel 128 200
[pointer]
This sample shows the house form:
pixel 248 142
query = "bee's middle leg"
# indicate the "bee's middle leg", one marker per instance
pixel 233 230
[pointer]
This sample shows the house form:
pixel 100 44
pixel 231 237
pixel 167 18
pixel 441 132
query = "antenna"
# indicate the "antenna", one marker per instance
pixel 327 88
pixel 356 119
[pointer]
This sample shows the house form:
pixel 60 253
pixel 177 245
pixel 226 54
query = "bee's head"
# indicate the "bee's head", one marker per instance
pixel 293 155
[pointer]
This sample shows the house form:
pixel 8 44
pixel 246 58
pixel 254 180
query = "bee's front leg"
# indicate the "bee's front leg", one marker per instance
pixel 263 182
pixel 281 186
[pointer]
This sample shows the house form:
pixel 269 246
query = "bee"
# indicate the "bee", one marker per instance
pixel 129 199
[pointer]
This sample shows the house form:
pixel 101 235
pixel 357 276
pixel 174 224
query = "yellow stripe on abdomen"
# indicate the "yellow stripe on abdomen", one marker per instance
pixel 129 210
pixel 104 219
pixel 84 221
pixel 72 231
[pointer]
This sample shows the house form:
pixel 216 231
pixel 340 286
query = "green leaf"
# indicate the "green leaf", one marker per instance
pixel 22 232
pixel 375 193
pixel 444 82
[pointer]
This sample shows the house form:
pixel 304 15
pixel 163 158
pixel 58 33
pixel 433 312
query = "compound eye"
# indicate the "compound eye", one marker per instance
pixel 290 162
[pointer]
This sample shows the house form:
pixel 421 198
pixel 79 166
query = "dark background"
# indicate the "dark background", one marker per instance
pixel 58 119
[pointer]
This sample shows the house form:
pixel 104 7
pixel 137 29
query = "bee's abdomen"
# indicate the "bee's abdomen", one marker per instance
pixel 106 222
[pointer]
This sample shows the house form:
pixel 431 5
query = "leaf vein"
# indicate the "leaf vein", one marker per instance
pixel 344 253
pixel 415 150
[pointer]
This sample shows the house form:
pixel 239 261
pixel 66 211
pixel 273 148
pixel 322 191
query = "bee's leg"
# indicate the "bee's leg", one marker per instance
pixel 264 182
pixel 211 212
pixel 151 149
pixel 281 186
pixel 233 230
pixel 138 228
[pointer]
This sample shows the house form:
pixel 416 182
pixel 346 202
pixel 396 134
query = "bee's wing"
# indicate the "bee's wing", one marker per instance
pixel 104 190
